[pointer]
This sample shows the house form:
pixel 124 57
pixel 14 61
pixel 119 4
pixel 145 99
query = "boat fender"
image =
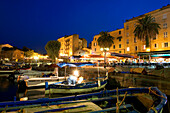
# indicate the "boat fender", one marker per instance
pixel 23 98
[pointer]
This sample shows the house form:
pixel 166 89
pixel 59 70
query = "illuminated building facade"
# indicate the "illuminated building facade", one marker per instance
pixel 159 43
pixel 70 44
pixel 117 46
pixel 126 42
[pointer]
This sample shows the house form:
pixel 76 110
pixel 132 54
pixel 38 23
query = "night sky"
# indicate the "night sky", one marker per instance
pixel 32 23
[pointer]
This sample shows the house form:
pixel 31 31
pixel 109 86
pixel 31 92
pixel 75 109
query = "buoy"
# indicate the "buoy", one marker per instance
pixel 23 98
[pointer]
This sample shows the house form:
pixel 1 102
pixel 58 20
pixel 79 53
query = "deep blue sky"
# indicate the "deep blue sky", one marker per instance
pixel 32 23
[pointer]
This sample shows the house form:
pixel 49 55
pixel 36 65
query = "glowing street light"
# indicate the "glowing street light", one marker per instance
pixel 104 49
pixel 148 49
pixel 36 57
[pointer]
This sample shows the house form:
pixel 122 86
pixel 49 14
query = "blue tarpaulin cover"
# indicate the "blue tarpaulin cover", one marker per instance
pixel 75 64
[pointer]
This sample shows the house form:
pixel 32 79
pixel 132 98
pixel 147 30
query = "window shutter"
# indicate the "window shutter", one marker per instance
pixel 162 45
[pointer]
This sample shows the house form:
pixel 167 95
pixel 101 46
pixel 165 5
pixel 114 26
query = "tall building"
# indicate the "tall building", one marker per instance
pixel 70 44
pixel 126 42
pixel 160 42
pixel 12 54
pixel 117 46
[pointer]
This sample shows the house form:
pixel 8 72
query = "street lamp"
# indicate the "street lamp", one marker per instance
pixel 36 58
pixel 104 49
pixel 148 50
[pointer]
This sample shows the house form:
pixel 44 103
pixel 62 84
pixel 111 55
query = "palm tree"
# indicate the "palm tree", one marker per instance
pixel 146 29
pixel 105 41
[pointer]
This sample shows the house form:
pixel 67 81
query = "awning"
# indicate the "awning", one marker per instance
pixel 161 55
pixel 75 64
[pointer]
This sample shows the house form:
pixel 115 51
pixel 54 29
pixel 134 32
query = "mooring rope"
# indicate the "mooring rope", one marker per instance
pixel 153 108
pixel 150 90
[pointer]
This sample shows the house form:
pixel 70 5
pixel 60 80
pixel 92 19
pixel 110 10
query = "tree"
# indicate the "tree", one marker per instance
pixel 25 49
pixel 105 41
pixel 146 29
pixel 29 53
pixel 52 47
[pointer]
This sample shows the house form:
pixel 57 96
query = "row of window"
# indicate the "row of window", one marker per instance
pixel 163 45
pixel 163 17
pixel 135 40
pixel 95 50
pixel 95 44
pixel 165 34
pixel 155 45
pixel 144 47
pixel 114 47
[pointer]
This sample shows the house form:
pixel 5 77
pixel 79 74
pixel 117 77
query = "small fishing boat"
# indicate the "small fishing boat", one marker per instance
pixel 64 88
pixel 7 71
pixel 130 100
pixel 40 81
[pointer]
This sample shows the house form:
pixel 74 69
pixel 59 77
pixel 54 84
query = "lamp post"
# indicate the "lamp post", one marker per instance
pixel 36 58
pixel 104 49
pixel 148 50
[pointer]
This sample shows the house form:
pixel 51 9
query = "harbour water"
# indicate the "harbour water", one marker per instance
pixel 9 89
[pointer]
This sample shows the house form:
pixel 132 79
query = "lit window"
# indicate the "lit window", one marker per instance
pixel 119 45
pixel 128 49
pixel 95 44
pixel 165 34
pixel 165 25
pixel 135 40
pixel 144 47
pixel 164 16
pixel 127 34
pixel 127 41
pixel 136 48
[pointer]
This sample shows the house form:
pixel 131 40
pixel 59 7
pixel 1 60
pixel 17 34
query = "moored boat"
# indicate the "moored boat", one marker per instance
pixel 7 71
pixel 40 81
pixel 64 88
pixel 146 99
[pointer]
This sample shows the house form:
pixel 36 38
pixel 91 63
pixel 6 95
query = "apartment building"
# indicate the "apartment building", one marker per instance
pixel 117 46
pixel 126 42
pixel 71 44
pixel 160 42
